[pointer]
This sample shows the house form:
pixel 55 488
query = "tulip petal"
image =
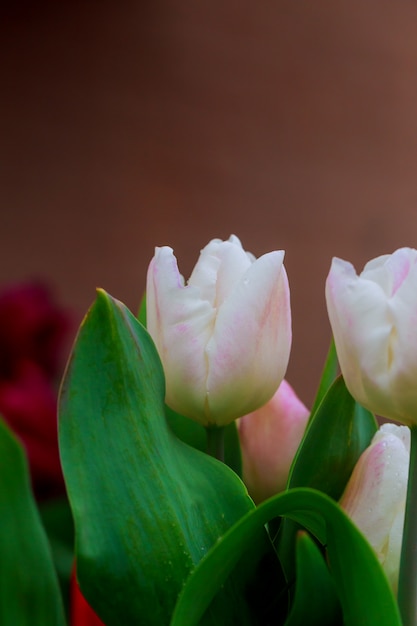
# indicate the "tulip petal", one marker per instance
pixel 223 339
pixel 403 308
pixel 180 323
pixel 375 495
pixel 220 265
pixel 362 326
pixel 269 438
pixel 249 350
pixel 373 318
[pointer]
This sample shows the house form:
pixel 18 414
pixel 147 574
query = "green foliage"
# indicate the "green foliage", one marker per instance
pixel 337 434
pixel 57 521
pixel 147 507
pixel 315 599
pixel 195 435
pixel 363 590
pixel 166 535
pixel 29 590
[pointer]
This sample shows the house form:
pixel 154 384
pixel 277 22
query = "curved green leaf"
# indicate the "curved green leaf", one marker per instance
pixel 339 432
pixel 29 590
pixel 336 436
pixel 315 599
pixel 365 595
pixel 146 506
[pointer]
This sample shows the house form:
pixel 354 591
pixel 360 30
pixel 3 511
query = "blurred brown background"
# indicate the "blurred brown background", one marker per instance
pixel 133 124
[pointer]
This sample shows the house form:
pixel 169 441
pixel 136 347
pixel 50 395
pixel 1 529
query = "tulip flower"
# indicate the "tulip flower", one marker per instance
pixel 375 495
pixel 34 333
pixel 33 327
pixel 28 404
pixel 269 438
pixel 373 318
pixel 224 338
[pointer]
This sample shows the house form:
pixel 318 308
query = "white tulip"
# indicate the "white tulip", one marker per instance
pixel 374 322
pixel 224 338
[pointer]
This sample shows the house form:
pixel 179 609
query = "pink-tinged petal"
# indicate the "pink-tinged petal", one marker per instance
pixel 375 495
pixel 249 349
pixel 390 270
pixel 269 438
pixel 223 339
pixel 361 323
pixel 180 324
pixel 403 370
pixel 374 320
pixel 220 265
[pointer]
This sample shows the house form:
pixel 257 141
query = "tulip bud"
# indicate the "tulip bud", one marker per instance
pixel 373 318
pixel 269 438
pixel 224 338
pixel 375 495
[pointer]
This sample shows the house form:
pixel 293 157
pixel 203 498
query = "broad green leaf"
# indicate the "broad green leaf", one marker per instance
pixel 364 592
pixel 29 590
pixel 328 376
pixel 315 599
pixel 146 506
pixel 334 440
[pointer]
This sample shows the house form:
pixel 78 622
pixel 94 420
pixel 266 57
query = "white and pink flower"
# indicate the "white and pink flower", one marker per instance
pixel 224 338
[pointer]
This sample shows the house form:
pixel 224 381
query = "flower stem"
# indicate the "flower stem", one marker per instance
pixel 215 442
pixel 407 585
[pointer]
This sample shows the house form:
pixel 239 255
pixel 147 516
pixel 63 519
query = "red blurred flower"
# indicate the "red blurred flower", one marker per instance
pixel 81 612
pixel 28 404
pixel 32 327
pixel 33 334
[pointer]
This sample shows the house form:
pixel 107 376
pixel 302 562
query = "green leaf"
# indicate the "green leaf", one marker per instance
pixel 195 435
pixel 328 376
pixel 186 429
pixel 338 433
pixel 29 591
pixel 59 527
pixel 146 506
pixel 334 440
pixel 142 311
pixel 315 599
pixel 363 590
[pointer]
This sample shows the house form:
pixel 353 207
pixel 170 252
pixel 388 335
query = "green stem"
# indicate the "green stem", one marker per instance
pixel 215 442
pixel 407 585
